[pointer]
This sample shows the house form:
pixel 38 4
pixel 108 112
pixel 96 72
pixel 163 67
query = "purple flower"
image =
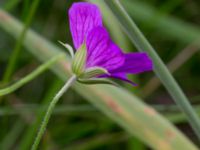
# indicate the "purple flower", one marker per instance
pixel 87 28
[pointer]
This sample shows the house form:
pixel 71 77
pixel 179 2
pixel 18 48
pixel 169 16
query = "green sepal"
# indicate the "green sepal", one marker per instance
pixel 93 72
pixel 96 81
pixel 79 61
pixel 68 47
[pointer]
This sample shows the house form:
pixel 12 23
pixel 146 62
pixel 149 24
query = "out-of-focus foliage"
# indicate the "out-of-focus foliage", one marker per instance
pixel 77 124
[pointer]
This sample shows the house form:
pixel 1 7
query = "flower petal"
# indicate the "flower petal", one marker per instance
pixel 135 63
pixel 102 52
pixel 83 17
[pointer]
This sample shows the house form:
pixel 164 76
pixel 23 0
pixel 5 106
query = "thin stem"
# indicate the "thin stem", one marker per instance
pixel 159 67
pixel 50 110
pixel 31 131
pixel 31 76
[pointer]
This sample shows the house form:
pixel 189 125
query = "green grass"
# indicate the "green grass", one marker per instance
pixel 84 117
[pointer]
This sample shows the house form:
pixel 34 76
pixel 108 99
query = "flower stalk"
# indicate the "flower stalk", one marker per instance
pixel 50 110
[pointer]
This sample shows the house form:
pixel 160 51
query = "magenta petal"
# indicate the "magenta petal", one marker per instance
pixel 102 52
pixel 83 17
pixel 135 63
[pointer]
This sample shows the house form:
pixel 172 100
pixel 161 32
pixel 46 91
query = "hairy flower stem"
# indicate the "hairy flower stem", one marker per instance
pixel 50 110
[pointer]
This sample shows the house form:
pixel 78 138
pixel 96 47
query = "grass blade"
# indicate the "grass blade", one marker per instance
pixel 16 52
pixel 160 69
pixel 177 62
pixel 7 143
pixel 169 26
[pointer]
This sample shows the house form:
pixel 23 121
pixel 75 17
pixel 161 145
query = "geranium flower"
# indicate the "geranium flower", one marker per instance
pixel 89 34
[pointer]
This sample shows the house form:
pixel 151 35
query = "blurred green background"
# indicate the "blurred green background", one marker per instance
pixel 171 26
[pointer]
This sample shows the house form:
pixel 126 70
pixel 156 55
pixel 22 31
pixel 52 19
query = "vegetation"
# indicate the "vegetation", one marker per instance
pixel 100 116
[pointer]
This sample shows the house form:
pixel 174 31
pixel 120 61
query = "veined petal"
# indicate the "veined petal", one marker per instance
pixel 135 63
pixel 83 17
pixel 102 52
